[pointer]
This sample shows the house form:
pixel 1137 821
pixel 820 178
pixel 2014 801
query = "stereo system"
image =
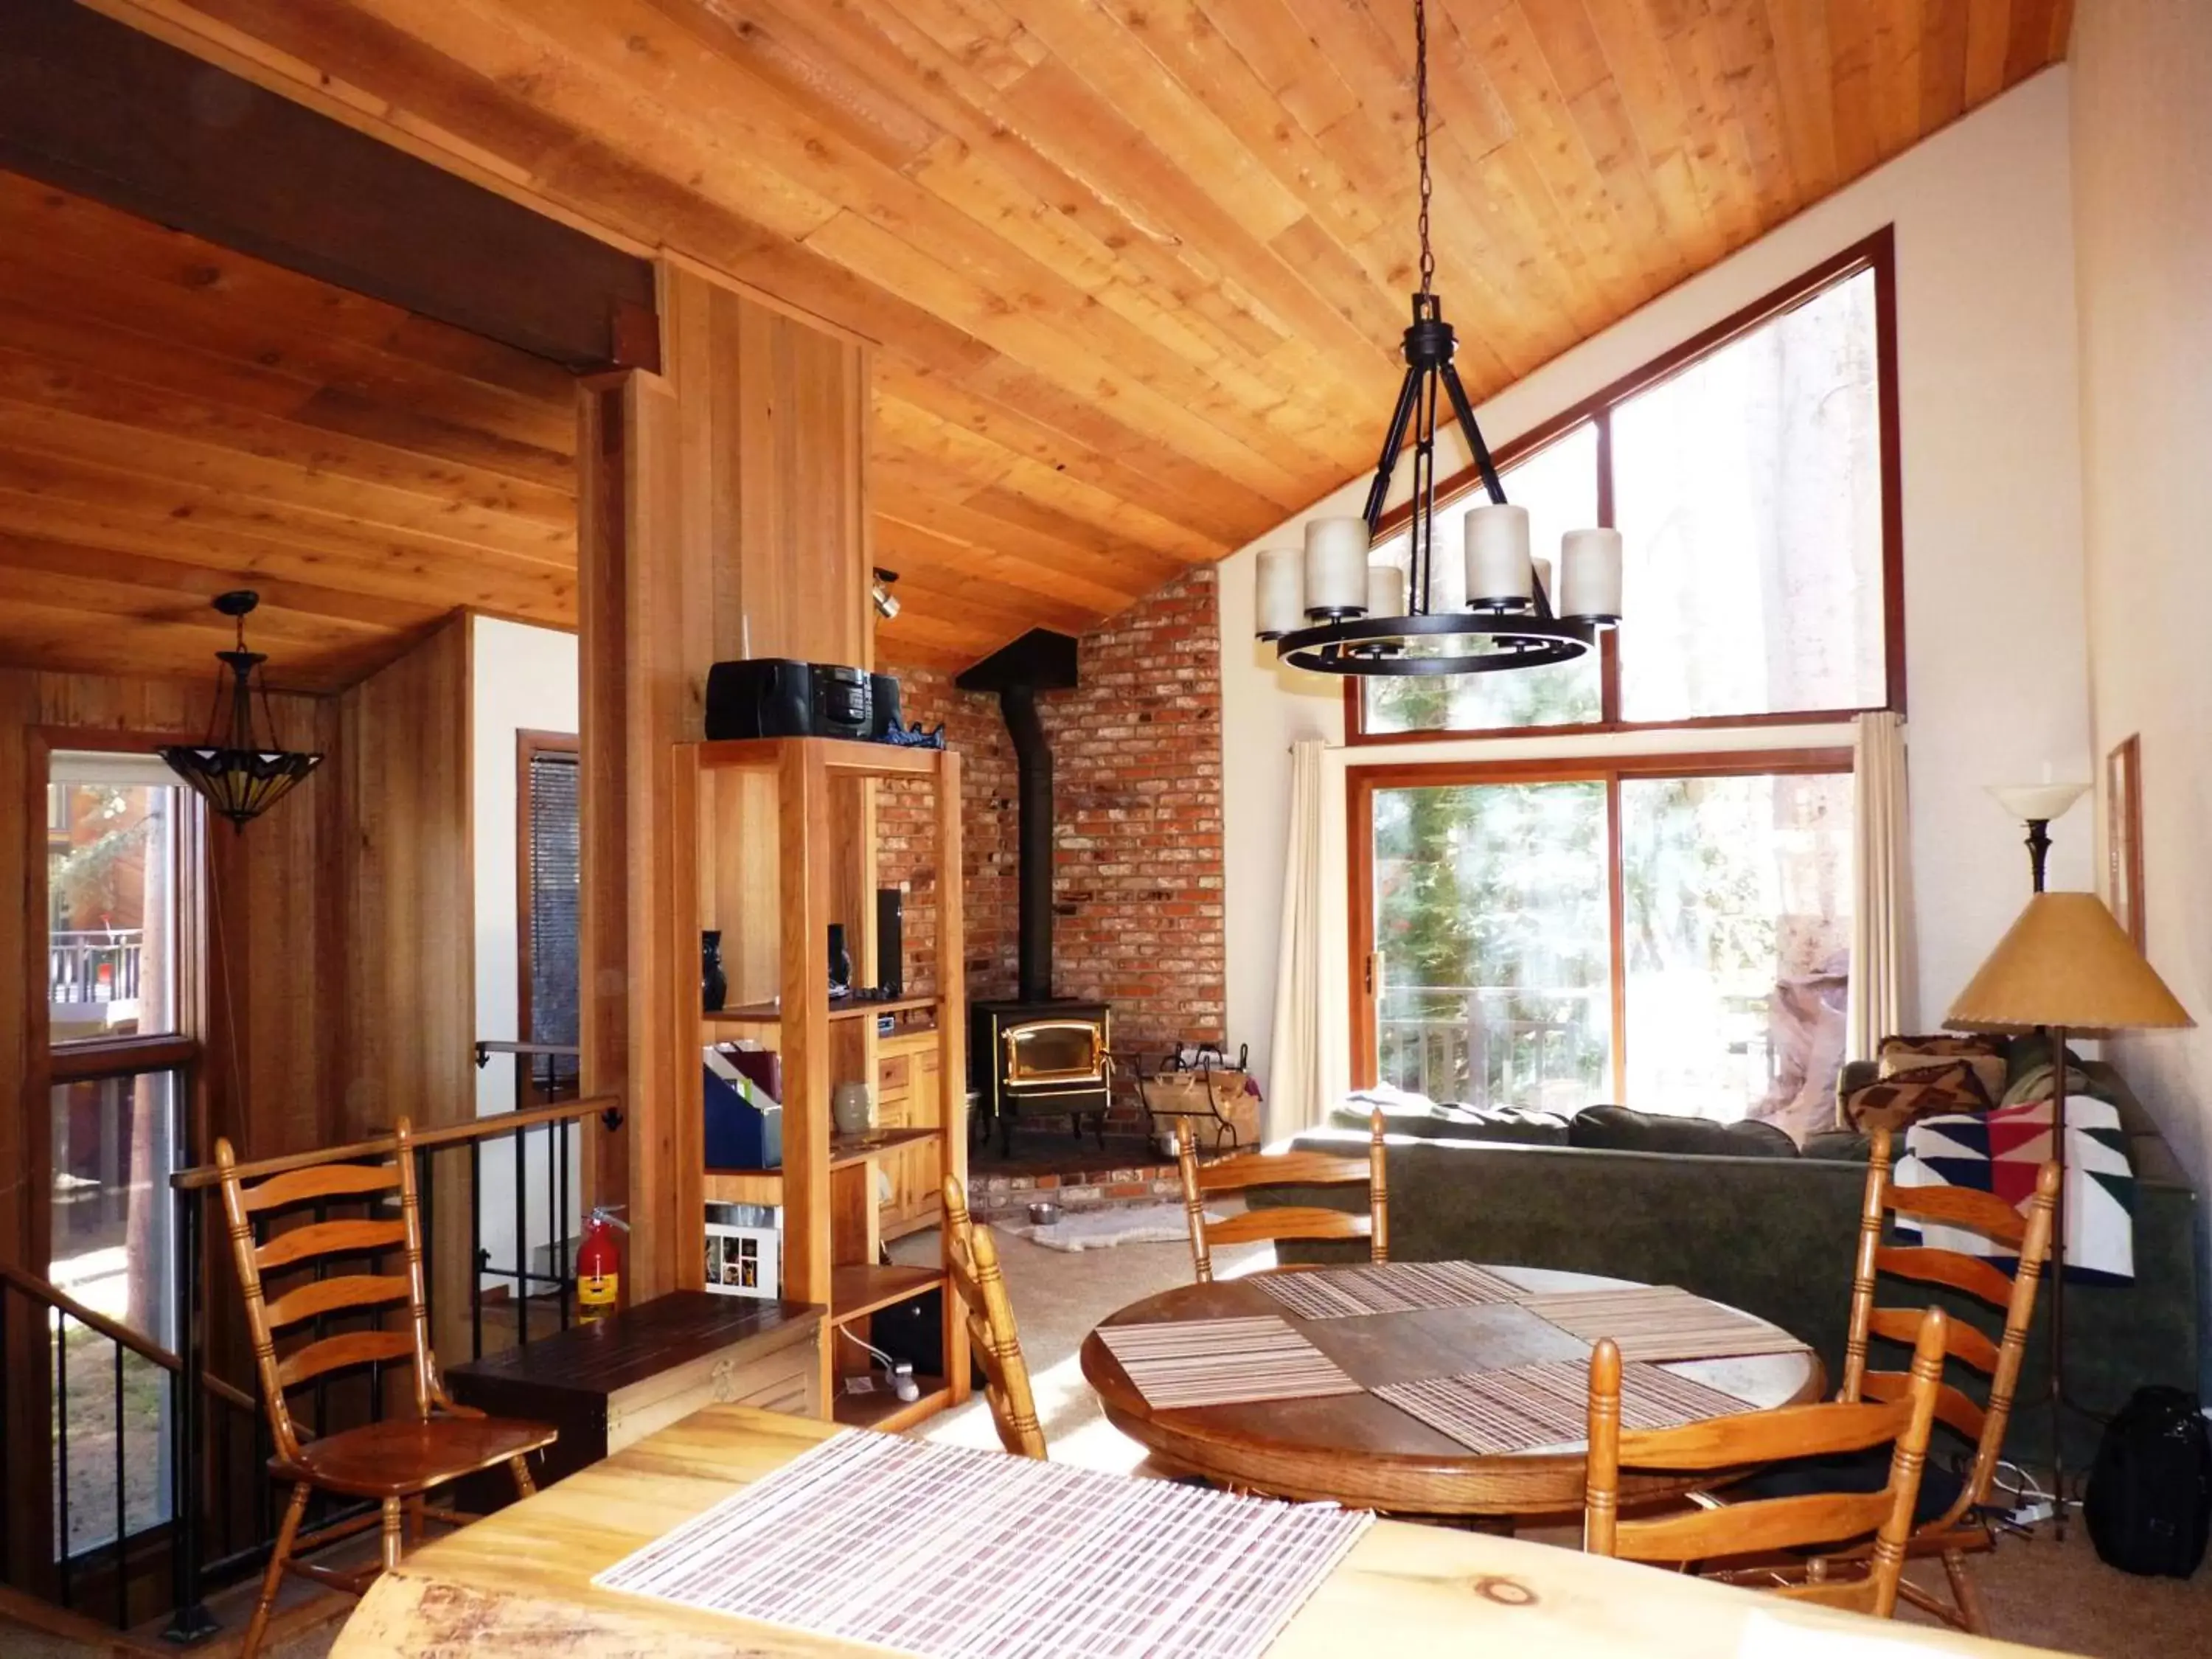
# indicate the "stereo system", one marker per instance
pixel 779 697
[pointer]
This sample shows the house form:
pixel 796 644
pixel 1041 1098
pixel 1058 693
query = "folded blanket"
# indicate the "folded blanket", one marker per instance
pixel 2000 1153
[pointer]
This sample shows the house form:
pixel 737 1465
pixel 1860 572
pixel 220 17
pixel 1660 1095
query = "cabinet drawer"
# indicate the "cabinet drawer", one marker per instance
pixel 710 1380
pixel 893 1076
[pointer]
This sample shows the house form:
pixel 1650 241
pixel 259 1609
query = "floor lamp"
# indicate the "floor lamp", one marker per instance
pixel 2064 965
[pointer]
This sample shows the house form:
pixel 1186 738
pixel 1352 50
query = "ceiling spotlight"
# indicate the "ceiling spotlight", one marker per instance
pixel 887 605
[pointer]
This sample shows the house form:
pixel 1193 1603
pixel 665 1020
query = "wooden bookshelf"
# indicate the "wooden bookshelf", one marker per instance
pixel 781 834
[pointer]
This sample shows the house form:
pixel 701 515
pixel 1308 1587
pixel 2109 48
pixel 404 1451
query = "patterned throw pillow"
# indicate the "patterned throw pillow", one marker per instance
pixel 1900 1056
pixel 1893 1102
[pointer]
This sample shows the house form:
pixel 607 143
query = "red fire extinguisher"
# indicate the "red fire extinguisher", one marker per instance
pixel 599 1264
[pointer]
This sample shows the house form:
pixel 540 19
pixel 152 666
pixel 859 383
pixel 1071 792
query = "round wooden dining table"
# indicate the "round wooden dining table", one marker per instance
pixel 1359 1449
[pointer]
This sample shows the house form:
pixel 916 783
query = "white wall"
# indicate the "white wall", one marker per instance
pixel 1996 664
pixel 521 678
pixel 2142 172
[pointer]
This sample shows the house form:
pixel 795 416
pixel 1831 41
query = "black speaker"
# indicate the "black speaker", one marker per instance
pixel 891 947
pixel 759 697
pixel 884 718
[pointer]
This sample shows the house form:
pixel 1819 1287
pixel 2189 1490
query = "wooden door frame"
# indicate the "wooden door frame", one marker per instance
pixel 1361 783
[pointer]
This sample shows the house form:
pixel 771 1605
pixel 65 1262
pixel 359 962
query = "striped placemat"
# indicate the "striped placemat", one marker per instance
pixel 1661 1322
pixel 1387 1287
pixel 950 1552
pixel 1223 1362
pixel 1548 1404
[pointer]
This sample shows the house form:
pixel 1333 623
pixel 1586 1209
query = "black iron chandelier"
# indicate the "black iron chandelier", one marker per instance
pixel 240 778
pixel 1328 608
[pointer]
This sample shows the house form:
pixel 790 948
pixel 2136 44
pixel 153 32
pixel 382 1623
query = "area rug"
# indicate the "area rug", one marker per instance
pixel 1100 1230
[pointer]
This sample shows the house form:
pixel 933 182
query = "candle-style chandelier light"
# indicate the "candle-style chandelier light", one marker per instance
pixel 1328 609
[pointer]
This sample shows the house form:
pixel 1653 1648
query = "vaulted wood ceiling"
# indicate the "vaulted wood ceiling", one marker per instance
pixel 176 420
pixel 1139 266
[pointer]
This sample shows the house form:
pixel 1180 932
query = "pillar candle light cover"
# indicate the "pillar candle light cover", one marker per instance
pixel 1336 567
pixel 1282 594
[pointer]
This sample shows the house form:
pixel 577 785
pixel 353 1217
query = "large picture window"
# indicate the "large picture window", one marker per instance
pixel 1672 934
pixel 1753 475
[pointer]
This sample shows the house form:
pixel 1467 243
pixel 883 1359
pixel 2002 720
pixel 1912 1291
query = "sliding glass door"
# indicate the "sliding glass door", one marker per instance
pixel 1670 934
pixel 1489 925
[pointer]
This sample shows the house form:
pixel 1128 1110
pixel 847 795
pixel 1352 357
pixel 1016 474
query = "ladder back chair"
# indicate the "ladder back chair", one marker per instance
pixel 1245 1170
pixel 992 1335
pixel 395 1461
pixel 1958 1529
pixel 1704 1532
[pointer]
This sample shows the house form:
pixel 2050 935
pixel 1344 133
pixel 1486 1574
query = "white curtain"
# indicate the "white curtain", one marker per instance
pixel 1881 888
pixel 1310 1052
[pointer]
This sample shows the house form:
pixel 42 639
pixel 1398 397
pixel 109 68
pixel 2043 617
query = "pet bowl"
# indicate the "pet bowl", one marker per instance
pixel 1043 1213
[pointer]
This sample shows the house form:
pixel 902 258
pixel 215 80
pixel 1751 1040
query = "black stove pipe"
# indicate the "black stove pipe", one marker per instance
pixel 1033 770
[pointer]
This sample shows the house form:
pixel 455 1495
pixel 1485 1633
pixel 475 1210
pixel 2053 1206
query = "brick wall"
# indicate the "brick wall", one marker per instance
pixel 1137 786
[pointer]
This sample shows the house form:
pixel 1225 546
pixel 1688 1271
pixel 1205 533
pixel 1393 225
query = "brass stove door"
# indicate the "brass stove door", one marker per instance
pixel 1044 1051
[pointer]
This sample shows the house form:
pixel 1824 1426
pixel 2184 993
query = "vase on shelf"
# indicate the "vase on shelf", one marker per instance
pixel 713 983
pixel 853 1108
pixel 841 962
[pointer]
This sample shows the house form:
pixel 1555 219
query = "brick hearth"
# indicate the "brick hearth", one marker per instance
pixel 1001 1194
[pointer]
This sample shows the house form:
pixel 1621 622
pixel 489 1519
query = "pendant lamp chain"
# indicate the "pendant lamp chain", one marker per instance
pixel 1421 140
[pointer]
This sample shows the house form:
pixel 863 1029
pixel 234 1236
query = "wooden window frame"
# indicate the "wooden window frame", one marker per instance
pixel 529 743
pixel 1361 783
pixel 1876 254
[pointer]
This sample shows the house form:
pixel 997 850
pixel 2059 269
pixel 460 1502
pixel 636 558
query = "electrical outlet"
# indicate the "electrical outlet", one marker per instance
pixel 2032 1515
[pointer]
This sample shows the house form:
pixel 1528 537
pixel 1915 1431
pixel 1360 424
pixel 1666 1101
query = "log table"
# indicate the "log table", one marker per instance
pixel 519 1582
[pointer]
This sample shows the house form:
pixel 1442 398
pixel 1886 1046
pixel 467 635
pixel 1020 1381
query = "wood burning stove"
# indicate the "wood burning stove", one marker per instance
pixel 1036 1055
pixel 1042 1058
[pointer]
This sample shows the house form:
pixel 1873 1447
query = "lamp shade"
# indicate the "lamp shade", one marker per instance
pixel 2033 802
pixel 2065 961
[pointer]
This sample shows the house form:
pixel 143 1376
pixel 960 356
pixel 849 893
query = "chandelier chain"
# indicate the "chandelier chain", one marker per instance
pixel 1421 138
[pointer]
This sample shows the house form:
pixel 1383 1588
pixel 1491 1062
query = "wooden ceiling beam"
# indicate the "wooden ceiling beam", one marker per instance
pixel 98 108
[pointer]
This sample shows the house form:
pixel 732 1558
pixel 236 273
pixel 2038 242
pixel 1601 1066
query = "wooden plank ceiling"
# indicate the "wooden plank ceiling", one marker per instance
pixel 1138 267
pixel 177 419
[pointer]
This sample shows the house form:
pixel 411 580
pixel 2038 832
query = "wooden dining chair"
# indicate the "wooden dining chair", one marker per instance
pixel 397 1462
pixel 992 1335
pixel 1244 1170
pixel 1703 1533
pixel 1956 1529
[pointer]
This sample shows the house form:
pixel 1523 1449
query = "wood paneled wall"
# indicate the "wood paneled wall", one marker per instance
pixel 724 514
pixel 407 886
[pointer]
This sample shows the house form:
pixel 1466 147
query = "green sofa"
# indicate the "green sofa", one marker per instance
pixel 1773 1235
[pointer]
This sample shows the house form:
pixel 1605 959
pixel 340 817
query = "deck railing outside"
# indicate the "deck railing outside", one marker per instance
pixel 98 965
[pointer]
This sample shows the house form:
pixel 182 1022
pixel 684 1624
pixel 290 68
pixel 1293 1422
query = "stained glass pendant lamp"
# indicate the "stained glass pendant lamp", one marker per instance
pixel 240 778
pixel 1328 608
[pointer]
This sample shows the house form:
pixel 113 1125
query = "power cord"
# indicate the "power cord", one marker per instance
pixel 898 1372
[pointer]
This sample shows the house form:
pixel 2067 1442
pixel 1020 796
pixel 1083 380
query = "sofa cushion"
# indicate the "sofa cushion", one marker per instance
pixel 1414 1114
pixel 1618 1129
pixel 1893 1102
pixel 1838 1145
pixel 1902 1056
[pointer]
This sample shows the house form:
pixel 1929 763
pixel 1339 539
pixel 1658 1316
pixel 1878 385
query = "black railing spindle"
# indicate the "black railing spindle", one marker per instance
pixel 560 1287
pixel 122 1526
pixel 61 1447
pixel 189 1622
pixel 521 1242
pixel 478 1256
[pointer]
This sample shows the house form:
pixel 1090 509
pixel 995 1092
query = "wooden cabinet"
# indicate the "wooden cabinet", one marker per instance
pixel 911 1094
pixel 651 1364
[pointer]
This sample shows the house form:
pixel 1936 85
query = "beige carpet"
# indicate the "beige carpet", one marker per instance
pixel 2037 1592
